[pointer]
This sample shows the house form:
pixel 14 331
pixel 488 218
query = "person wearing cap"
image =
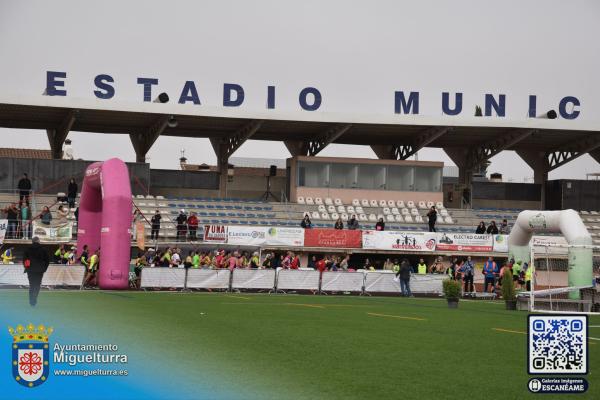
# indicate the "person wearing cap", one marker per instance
pixel 181 225
pixel 36 261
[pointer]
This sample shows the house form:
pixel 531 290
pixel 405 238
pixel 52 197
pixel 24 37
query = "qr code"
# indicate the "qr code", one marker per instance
pixel 557 344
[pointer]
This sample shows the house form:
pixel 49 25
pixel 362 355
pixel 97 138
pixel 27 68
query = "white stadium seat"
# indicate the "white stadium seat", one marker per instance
pixel 372 217
pixel 350 209
pixel 309 201
pixel 444 212
pixel 362 217
pixel 405 211
pixel 316 215
pixel 400 204
pixel 140 196
pixel 341 209
pixel 414 211
pixel 141 204
pixel 330 209
pixel 324 215
pixel 408 218
pixel 391 203
pixel 300 200
pixel 449 220
pixel 410 204
pixel 380 216
pixel 395 211
pixel 356 202
pixel 334 215
pixel 422 205
pixel 159 197
pixel 430 204
pixel 373 203
pixel 382 203
pixel 344 217
pixel 418 218
pixel 149 196
pixel 386 211
pixel 364 202
pixel 439 205
pixel 318 200
pixel 360 210
pixel 322 208
pixel 328 201
pixel 390 218
pixel 399 218
pixel 338 202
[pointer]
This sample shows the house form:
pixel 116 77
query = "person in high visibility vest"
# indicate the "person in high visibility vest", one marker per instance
pixel 84 258
pixel 255 260
pixel 196 260
pixel 58 254
pixel 90 278
pixel 516 271
pixel 396 267
pixel 7 256
pixel 421 267
pixel 66 257
pixel 529 272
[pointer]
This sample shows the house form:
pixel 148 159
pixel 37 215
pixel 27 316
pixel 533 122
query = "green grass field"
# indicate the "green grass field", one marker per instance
pixel 316 347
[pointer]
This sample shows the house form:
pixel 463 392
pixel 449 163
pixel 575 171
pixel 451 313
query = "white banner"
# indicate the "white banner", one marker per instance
pixel 342 281
pixel 288 279
pixel 548 245
pixel 208 278
pixel 397 240
pixel 56 275
pixel 52 234
pixel 383 282
pixel 501 243
pixel 465 242
pixel 160 277
pixel 246 235
pixel 285 237
pixel 3 226
pixel 253 279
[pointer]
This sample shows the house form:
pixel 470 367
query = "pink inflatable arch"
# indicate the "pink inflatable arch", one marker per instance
pixel 105 220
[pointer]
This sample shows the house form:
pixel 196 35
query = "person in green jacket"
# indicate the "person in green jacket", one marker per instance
pixel 196 260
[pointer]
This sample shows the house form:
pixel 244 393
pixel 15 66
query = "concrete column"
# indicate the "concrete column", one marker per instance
pixel 538 161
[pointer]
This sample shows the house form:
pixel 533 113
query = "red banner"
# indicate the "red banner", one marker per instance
pixel 332 238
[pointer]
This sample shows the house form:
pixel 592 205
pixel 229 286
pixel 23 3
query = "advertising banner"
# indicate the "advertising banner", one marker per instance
pixel 215 233
pixel 396 240
pixel 501 243
pixel 246 235
pixel 52 234
pixel 3 226
pixel 332 238
pixel 465 242
pixel 285 237
pixel 140 236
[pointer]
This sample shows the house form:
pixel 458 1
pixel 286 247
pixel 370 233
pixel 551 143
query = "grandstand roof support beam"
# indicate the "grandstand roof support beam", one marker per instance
pixel 57 136
pixel 404 151
pixel 572 150
pixel 224 148
pixel 143 141
pixel 494 147
pixel 329 136
pixel 595 154
pixel 296 147
pixel 460 156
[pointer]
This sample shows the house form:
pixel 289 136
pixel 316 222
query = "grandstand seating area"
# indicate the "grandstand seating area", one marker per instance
pixel 323 212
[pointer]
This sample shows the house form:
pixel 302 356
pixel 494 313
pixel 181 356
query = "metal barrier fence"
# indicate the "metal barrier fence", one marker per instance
pixel 283 280
pixel 56 275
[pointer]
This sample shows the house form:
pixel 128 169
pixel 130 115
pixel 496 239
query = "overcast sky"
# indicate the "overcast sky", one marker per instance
pixel 357 53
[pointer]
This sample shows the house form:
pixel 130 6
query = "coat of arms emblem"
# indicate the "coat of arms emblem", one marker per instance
pixel 30 354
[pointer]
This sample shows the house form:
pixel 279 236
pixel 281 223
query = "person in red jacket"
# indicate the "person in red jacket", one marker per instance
pixel 295 264
pixel 321 265
pixel 192 223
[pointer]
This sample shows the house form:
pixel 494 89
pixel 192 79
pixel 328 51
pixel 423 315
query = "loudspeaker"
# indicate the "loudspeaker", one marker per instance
pixel 163 98
pixel 551 114
pixel 273 170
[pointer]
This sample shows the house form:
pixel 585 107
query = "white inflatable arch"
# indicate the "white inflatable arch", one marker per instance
pixel 572 228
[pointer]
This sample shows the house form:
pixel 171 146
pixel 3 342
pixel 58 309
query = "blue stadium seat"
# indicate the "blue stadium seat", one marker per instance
pixel 247 208
pixel 238 207
pixel 241 215
pixel 261 216
pixel 242 222
pixel 202 214
pixel 234 221
pixel 212 214
pixel 209 206
pixel 257 208
pixel 250 216
pixel 172 205
pixel 253 223
pixel 201 206
pixel 264 223
pixel 268 208
pixel 225 221
pixel 222 214
pixel 214 221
